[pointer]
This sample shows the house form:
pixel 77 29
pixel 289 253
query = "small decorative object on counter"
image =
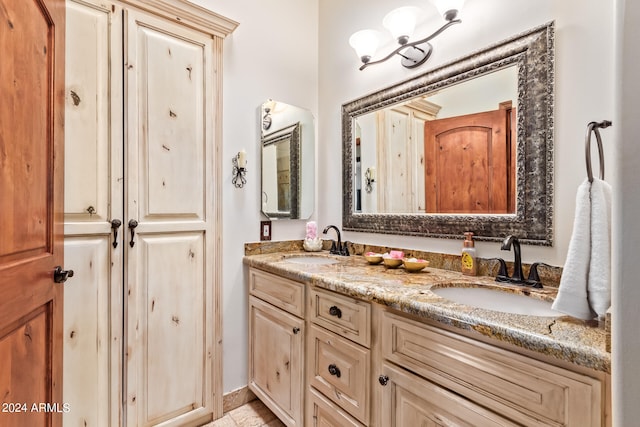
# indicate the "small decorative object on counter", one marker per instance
pixel 312 243
pixel 469 266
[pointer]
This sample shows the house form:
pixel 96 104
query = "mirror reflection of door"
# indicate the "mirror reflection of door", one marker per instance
pixel 283 176
pixel 470 163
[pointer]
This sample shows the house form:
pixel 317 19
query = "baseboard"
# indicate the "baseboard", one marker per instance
pixel 236 398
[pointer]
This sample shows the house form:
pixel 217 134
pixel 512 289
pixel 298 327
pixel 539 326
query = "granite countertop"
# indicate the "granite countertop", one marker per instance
pixel 564 338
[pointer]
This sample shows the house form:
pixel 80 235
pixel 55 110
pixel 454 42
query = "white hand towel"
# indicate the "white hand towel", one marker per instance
pixel 572 295
pixel 599 282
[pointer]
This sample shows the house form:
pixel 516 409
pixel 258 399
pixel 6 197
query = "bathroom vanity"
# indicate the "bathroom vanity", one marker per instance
pixel 335 341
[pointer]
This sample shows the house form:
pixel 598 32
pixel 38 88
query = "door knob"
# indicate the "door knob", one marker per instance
pixel 60 275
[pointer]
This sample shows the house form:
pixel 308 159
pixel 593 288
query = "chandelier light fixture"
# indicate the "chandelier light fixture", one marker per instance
pixel 401 23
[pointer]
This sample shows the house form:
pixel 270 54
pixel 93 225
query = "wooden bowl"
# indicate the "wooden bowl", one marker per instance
pixel 392 262
pixel 373 258
pixel 413 266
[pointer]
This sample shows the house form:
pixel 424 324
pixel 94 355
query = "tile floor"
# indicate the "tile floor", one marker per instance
pixel 252 414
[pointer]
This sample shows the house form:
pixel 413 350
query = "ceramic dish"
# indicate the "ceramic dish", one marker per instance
pixel 392 262
pixel 413 265
pixel 373 258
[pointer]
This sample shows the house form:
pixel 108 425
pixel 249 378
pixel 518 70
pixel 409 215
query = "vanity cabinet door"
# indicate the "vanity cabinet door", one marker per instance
pixel 408 400
pixel 276 341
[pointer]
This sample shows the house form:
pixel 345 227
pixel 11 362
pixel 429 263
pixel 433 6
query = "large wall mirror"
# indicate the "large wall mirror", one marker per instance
pixel 288 174
pixel 465 147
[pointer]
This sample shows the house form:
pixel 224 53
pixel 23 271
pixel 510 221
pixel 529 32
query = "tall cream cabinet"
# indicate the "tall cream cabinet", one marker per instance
pixel 142 318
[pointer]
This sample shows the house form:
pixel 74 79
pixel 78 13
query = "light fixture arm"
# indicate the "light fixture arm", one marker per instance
pixel 414 45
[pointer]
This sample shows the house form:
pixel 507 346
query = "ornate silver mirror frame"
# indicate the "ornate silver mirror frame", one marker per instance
pixel 533 54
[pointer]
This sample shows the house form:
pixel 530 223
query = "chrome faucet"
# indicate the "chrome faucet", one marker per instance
pixel 337 248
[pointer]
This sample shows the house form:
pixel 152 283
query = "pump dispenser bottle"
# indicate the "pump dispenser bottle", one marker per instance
pixel 469 265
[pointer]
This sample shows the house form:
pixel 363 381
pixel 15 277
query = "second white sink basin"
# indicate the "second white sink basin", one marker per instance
pixel 318 260
pixel 497 300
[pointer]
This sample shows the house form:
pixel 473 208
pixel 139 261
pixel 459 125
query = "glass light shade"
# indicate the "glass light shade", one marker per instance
pixel 449 9
pixel 401 22
pixel 364 42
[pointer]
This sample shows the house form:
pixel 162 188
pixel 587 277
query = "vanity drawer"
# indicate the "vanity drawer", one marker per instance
pixel 321 412
pixel 525 390
pixel 340 370
pixel 341 314
pixel 278 291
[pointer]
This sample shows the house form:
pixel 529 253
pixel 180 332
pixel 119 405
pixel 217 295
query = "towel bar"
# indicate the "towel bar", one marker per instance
pixel 593 127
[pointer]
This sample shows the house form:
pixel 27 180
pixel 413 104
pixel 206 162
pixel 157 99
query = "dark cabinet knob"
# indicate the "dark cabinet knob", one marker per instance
pixel 296 330
pixel 60 275
pixel 335 311
pixel 334 370
pixel 115 224
pixel 132 226
pixel 383 380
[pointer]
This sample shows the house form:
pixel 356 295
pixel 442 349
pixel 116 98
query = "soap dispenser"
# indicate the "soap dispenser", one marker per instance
pixel 469 266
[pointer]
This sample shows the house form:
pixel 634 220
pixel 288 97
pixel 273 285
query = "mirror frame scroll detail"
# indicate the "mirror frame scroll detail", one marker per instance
pixel 533 53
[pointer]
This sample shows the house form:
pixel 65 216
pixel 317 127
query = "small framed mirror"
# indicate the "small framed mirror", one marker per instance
pixel 288 161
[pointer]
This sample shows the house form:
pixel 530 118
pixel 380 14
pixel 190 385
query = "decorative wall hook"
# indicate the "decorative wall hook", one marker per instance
pixel 239 169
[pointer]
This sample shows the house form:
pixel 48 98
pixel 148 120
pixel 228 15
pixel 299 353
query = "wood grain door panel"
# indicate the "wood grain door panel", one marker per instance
pixel 31 201
pixel 468 164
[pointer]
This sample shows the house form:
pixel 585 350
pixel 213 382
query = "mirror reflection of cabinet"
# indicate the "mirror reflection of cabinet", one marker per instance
pixel 288 161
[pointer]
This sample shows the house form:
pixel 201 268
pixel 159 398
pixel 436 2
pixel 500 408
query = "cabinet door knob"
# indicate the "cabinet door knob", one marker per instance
pixel 334 370
pixel 132 226
pixel 335 311
pixel 383 379
pixel 115 224
pixel 296 330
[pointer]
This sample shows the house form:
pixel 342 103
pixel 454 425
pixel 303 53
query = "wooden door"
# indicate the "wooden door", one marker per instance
pixel 469 165
pixel 94 189
pixel 170 247
pixel 31 211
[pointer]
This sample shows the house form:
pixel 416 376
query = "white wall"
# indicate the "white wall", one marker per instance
pixel 272 54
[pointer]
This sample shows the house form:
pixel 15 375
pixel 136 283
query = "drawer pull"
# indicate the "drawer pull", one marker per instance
pixel 383 379
pixel 335 311
pixel 296 330
pixel 334 370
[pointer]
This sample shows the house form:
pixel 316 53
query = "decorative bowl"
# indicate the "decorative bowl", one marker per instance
pixel 373 258
pixel 312 245
pixel 414 265
pixel 392 262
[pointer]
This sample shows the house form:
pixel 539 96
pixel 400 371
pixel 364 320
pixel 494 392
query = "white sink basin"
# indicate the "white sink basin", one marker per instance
pixel 497 300
pixel 317 260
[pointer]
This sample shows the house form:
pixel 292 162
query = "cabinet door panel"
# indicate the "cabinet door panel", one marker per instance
pixel 91 361
pixel 275 360
pixel 168 117
pixel 169 340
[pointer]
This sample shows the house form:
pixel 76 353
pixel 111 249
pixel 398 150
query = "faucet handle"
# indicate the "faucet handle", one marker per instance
pixel 534 279
pixel 345 249
pixel 503 274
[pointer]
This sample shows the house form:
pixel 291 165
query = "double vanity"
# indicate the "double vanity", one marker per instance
pixel 336 341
